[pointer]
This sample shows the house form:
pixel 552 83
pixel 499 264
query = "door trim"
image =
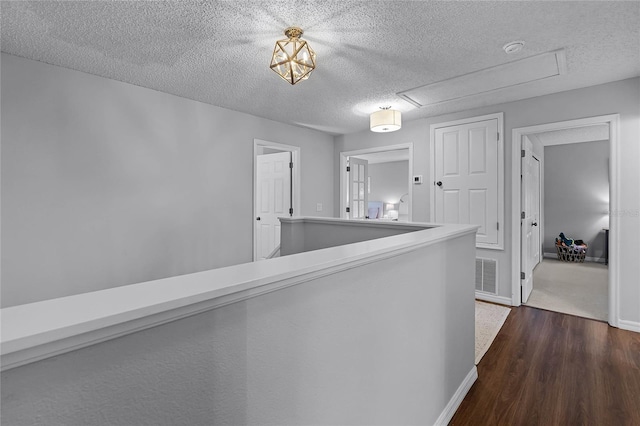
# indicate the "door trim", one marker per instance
pixel 613 120
pixel 432 170
pixel 295 181
pixel 344 178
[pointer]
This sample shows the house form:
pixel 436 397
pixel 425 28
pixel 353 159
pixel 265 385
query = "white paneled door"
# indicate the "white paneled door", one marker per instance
pixel 358 189
pixel 529 224
pixel 273 199
pixel 466 177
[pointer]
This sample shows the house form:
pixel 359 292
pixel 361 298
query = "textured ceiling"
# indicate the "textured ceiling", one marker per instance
pixel 218 52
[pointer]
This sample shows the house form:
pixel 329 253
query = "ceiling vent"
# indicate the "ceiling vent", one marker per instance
pixel 516 73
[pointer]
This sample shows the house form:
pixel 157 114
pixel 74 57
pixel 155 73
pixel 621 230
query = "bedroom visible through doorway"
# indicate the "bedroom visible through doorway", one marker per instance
pixel 577 272
pixel 572 278
pixel 376 183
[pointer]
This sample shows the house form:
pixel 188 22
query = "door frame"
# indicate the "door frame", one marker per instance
pixel 295 181
pixel 613 120
pixel 344 178
pixel 432 171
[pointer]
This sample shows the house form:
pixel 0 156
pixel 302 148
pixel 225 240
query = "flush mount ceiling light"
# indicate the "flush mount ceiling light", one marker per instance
pixel 513 47
pixel 385 120
pixel 293 59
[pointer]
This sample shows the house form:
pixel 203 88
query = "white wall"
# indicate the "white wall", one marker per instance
pixel 389 181
pixel 106 184
pixel 621 97
pixel 382 343
pixel 576 194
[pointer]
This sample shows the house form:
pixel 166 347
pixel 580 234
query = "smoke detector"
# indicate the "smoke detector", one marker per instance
pixel 513 47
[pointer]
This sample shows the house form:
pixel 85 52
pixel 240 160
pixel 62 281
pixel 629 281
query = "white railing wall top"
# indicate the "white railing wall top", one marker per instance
pixel 43 329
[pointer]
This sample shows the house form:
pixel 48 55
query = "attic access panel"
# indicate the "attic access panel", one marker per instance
pixel 534 68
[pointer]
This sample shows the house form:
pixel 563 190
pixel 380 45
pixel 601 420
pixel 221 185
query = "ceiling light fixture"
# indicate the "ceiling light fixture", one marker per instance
pixel 293 59
pixel 385 120
pixel 513 47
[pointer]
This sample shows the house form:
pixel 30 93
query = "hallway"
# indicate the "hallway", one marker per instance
pixel 548 368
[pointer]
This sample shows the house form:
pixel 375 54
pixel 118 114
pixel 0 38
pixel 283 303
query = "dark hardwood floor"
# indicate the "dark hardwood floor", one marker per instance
pixel 548 368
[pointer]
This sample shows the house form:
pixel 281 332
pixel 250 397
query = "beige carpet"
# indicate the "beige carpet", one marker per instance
pixel 489 321
pixel 579 289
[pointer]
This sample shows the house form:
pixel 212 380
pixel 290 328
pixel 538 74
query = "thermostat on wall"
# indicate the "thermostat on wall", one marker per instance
pixel 417 180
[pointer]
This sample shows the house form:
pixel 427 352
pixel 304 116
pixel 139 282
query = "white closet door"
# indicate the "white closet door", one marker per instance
pixel 466 171
pixel 273 199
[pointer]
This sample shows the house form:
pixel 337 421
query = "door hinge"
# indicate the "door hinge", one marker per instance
pixel 348 210
pixel 498 226
pixel 348 168
pixel 291 165
pixel 522 275
pixel 522 153
pixel 291 212
pixel 522 215
pixel 498 135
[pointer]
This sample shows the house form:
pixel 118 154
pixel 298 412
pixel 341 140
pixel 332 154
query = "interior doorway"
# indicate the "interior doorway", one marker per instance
pixel 386 190
pixel 572 278
pixel 566 132
pixel 276 193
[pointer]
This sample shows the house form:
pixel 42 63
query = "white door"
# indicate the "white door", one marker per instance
pixel 273 199
pixel 358 191
pixel 530 218
pixel 466 177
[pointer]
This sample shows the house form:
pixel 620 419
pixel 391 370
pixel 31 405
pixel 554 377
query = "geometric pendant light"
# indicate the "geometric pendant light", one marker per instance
pixel 293 59
pixel 385 120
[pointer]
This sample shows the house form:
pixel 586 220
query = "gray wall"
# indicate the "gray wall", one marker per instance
pixel 383 343
pixel 106 184
pixel 622 97
pixel 389 181
pixel 576 194
pixel 308 235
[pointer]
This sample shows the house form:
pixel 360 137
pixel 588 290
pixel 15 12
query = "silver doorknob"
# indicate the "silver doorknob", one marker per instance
pixel 534 224
pixel 439 183
pixel 258 218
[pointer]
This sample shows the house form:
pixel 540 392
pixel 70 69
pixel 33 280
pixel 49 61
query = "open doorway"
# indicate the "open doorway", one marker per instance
pixel 578 187
pixel 276 193
pixel 376 183
pixel 572 276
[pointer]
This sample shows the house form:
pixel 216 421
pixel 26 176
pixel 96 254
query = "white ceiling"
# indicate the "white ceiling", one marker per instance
pixel 218 52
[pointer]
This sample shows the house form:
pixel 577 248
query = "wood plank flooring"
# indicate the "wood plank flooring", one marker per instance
pixel 548 368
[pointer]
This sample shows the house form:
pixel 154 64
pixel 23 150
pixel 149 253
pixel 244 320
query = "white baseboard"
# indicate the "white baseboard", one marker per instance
pixel 488 297
pixel 455 401
pixel 629 325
